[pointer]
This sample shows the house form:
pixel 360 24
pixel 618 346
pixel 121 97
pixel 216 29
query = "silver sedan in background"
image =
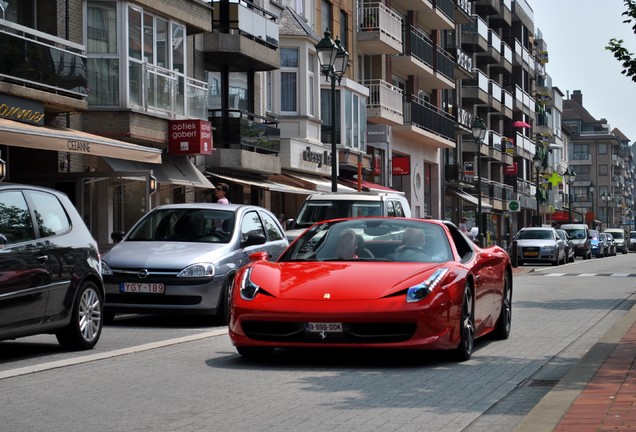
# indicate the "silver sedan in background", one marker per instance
pixel 182 258
pixel 540 245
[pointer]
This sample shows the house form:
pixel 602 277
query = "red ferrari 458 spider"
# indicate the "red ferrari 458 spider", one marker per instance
pixel 373 283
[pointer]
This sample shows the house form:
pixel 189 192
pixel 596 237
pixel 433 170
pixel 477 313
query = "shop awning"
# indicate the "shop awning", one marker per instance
pixel 471 199
pixel 369 186
pixel 266 184
pixel 18 134
pixel 319 184
pixel 177 170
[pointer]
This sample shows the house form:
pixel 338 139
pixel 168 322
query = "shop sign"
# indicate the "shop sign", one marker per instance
pixel 511 170
pixel 23 110
pixel 319 159
pixel 378 133
pixel 189 137
pixel 401 165
pixel 469 169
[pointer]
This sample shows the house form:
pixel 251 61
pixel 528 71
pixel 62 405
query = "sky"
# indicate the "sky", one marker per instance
pixel 576 33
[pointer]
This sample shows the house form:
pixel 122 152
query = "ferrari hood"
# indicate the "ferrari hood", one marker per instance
pixel 338 280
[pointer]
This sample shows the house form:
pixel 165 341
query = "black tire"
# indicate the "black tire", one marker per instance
pixel 504 323
pixel 466 327
pixel 85 326
pixel 256 353
pixel 222 316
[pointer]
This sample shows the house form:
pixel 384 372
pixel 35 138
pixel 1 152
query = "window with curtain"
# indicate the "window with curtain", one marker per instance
pixel 289 80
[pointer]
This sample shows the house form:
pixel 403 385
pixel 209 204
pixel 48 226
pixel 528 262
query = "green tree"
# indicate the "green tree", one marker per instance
pixel 621 53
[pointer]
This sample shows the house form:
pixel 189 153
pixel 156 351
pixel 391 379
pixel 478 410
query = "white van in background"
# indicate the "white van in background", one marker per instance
pixel 334 205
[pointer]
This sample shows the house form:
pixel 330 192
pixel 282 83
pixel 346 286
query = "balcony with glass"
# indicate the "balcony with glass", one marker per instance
pixel 462 12
pixel 434 15
pixel 475 35
pixel 40 62
pixel 464 64
pixel 379 29
pixel 243 139
pixel 494 91
pixel 384 105
pixel 426 123
pixel 523 12
pixel 506 57
pixel 245 37
pixel 504 16
pixel 493 53
pixel 476 90
pixel 507 103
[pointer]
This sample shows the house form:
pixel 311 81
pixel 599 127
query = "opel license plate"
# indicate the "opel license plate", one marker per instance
pixel 143 288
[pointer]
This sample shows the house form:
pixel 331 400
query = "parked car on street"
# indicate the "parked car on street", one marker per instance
pixel 620 237
pixel 373 283
pixel 50 279
pixel 610 250
pixel 539 245
pixel 332 205
pixel 632 240
pixel 598 249
pixel 182 258
pixel 580 234
pixel 569 245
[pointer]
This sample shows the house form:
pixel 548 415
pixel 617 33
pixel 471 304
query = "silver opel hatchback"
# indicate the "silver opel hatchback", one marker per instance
pixel 182 258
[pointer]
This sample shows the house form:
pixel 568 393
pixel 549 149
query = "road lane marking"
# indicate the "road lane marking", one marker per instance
pixel 110 354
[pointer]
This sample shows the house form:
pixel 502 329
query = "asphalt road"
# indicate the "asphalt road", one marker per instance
pixel 159 374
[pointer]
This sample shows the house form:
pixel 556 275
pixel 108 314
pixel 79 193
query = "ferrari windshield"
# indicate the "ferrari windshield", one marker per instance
pixel 185 225
pixel 372 239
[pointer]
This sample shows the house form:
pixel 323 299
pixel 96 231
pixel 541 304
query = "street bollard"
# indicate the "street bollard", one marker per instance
pixel 513 254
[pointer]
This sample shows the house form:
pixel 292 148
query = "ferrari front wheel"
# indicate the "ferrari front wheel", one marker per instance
pixel 466 327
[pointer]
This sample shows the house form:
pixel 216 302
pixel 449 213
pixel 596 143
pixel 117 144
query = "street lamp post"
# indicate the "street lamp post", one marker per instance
pixel 607 197
pixel 479 133
pixel 569 175
pixel 537 161
pixel 334 60
pixel 592 188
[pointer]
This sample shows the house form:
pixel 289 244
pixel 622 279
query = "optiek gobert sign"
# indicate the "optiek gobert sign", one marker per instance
pixel 188 137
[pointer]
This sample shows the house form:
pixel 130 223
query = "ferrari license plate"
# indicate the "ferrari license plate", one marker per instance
pixel 531 254
pixel 144 288
pixel 323 327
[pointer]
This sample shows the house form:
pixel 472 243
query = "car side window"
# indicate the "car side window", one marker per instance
pixel 15 220
pixel 251 224
pixel 273 232
pixel 49 214
pixel 390 209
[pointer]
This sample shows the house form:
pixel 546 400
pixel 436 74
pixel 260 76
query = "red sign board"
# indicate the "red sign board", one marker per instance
pixel 401 165
pixel 511 169
pixel 189 137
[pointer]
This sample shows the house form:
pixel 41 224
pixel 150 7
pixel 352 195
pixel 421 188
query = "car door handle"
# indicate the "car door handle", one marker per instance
pixel 43 259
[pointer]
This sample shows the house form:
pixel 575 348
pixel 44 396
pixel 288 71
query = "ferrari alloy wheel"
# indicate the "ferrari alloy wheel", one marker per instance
pixel 466 327
pixel 86 322
pixel 255 352
pixel 504 323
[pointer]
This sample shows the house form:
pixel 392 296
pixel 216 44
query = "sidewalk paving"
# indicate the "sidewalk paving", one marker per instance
pixel 599 393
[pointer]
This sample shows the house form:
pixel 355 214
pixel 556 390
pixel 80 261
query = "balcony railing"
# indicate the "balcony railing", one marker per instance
pixel 384 95
pixel 446 7
pixel 41 60
pixel 424 115
pixel 418 45
pixel 506 52
pixel 248 20
pixel 464 60
pixel 377 17
pixel 166 92
pixel 580 157
pixel 494 41
pixel 478 26
pixel 494 90
pixel 445 64
pixel 237 129
pixel 507 99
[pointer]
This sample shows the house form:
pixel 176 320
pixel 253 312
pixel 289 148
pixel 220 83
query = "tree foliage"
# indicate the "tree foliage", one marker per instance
pixel 627 59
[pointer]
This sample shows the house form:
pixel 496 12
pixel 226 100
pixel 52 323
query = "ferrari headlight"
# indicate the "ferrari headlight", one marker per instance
pixel 106 271
pixel 248 288
pixel 419 291
pixel 197 270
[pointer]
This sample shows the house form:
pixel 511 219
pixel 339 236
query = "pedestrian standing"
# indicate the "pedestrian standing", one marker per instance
pixel 462 226
pixel 221 193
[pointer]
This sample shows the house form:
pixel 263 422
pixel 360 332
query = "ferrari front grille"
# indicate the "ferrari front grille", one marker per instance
pixel 280 331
